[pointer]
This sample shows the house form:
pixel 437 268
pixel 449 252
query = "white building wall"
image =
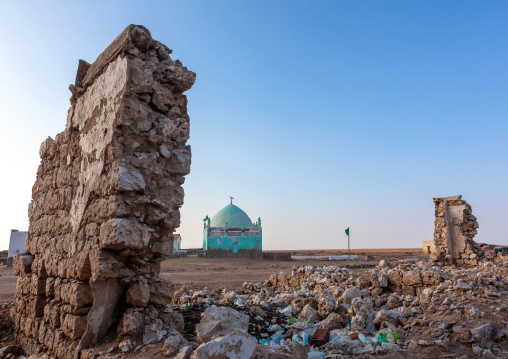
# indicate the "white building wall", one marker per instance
pixel 16 244
pixel 177 242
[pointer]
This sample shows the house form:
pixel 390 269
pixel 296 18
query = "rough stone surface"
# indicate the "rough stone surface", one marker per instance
pixel 106 201
pixel 236 344
pixel 218 321
pixel 138 295
pixel 349 294
pixel 309 314
pixel 333 321
pixel 454 230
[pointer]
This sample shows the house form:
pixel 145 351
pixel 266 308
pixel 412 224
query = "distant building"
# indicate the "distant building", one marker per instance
pixel 231 229
pixel 429 247
pixel 3 256
pixel 16 245
pixel 177 242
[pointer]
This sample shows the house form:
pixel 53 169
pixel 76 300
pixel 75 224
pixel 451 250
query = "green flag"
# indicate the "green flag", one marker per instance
pixel 347 231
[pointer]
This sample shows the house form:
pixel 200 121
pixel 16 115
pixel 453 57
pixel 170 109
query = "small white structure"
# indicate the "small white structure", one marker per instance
pixel 343 258
pixel 177 242
pixel 16 245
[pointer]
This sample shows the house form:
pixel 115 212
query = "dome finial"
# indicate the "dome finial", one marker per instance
pixel 232 198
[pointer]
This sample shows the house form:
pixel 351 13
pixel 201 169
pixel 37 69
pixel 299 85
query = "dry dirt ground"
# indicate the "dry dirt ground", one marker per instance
pixel 231 273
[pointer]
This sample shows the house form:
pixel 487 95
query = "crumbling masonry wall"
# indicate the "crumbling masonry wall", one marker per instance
pixel 106 201
pixel 454 230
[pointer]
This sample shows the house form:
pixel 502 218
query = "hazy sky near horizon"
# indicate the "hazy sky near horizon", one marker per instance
pixel 315 115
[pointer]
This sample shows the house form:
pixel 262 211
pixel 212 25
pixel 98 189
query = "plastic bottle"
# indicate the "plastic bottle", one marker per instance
pixel 316 355
pixel 363 339
pixel 276 337
pixel 387 345
pixel 341 339
pixel 382 338
pixel 392 337
pixel 373 340
pixel 305 338
pixel 360 350
pixel 297 338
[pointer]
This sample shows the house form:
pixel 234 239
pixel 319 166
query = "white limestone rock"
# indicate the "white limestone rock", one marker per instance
pixel 349 294
pixel 219 321
pixel 237 344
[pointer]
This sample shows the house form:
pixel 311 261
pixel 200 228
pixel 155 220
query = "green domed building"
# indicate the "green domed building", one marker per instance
pixel 231 229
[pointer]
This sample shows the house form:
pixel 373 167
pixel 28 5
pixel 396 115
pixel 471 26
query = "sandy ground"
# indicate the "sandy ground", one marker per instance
pixel 7 284
pixel 231 273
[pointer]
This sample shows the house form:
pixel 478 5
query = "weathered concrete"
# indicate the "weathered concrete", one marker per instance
pixel 455 228
pixel 106 200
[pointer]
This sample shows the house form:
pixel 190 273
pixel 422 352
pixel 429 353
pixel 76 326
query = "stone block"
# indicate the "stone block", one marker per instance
pixel 22 264
pixel 35 307
pixel 237 344
pixel 412 278
pixel 132 323
pixel 173 320
pixel 138 295
pixel 52 315
pixel 219 321
pixel 161 292
pixel 76 293
pixel 74 326
pixel 120 233
pixel 179 161
pixel 38 285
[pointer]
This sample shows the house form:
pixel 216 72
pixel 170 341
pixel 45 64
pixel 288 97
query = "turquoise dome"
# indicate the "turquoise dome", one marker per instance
pixel 231 214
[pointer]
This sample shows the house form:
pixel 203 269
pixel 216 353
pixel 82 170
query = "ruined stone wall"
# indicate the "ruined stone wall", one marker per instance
pixel 454 230
pixel 106 201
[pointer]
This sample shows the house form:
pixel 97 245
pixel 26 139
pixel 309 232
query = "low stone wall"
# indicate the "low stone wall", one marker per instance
pixel 106 202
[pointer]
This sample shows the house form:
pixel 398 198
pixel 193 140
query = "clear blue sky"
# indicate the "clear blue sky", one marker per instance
pixel 315 115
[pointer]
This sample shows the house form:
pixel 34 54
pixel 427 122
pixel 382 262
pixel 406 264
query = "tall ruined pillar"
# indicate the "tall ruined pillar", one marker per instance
pixel 106 201
pixel 454 230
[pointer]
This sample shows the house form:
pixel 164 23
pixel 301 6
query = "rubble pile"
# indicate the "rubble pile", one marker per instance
pixel 105 204
pixel 400 309
pixel 454 230
pixel 397 307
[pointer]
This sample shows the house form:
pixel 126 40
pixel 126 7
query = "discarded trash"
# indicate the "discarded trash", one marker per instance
pixel 305 338
pixel 287 311
pixel 316 355
pixel 320 337
pixel 274 328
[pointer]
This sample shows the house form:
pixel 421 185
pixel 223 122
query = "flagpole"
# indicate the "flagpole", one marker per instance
pixel 348 253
